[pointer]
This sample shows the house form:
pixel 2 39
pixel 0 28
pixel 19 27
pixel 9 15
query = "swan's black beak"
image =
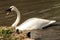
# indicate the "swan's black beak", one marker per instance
pixel 9 10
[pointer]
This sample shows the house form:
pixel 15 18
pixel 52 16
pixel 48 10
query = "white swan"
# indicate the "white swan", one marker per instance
pixel 30 24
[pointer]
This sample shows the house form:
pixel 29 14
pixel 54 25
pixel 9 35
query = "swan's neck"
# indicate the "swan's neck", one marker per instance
pixel 18 18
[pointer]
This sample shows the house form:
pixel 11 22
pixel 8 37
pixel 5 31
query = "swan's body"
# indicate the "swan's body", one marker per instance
pixel 30 24
pixel 34 23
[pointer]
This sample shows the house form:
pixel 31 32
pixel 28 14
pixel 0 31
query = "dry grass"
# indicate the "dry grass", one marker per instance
pixel 9 33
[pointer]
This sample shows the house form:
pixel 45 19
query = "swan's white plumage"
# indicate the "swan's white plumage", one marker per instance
pixel 30 24
pixel 34 23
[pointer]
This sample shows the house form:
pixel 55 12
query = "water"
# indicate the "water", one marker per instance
pixel 47 9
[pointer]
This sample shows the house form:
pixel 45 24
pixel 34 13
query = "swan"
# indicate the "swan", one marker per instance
pixel 31 23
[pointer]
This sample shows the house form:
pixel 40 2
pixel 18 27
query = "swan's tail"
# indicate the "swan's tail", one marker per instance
pixel 51 22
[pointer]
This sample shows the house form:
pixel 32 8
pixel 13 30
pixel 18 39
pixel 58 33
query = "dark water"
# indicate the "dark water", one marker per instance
pixel 47 9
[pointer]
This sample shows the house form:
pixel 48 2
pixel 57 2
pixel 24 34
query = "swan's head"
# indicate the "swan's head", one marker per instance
pixel 12 8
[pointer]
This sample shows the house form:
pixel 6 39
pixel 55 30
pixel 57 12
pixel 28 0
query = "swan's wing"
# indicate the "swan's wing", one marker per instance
pixel 39 24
